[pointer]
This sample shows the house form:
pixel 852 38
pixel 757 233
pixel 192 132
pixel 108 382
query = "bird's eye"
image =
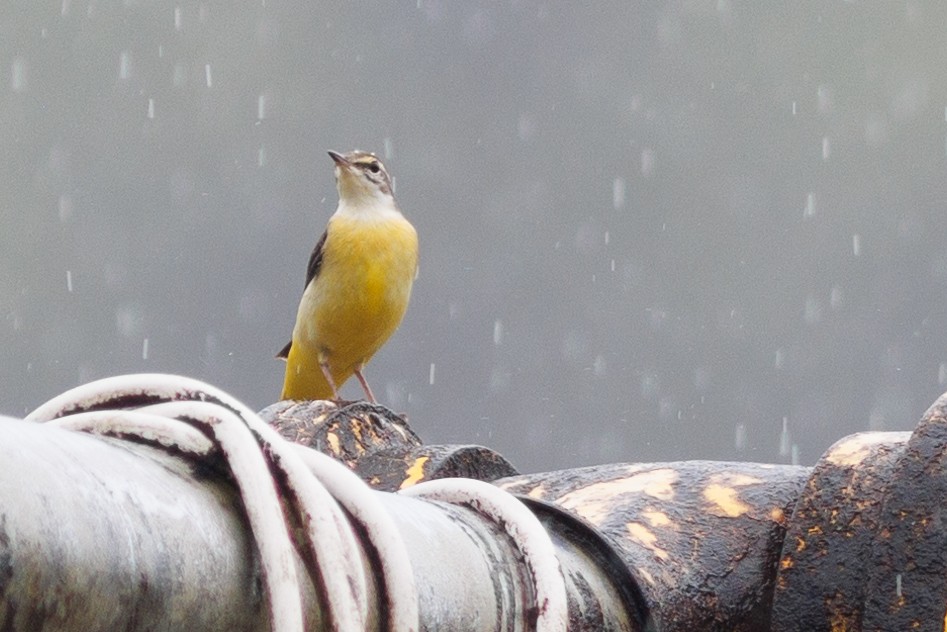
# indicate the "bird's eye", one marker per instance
pixel 374 167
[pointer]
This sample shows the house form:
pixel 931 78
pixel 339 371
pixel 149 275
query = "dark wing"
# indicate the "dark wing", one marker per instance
pixel 312 271
pixel 315 260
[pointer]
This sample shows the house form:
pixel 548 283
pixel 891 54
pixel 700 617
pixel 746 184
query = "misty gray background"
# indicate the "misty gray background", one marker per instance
pixel 649 231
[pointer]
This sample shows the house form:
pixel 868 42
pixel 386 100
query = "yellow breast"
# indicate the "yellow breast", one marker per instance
pixel 355 303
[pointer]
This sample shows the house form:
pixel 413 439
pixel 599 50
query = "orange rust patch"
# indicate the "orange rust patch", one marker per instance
pixel 777 515
pixel 852 450
pixel 333 440
pixel 537 492
pixel 596 502
pixel 415 473
pixel 839 623
pixel 656 518
pixel 644 536
pixel 729 479
pixel 725 501
pixel 648 577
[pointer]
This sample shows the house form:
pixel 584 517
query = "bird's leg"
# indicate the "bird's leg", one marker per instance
pixel 364 383
pixel 324 365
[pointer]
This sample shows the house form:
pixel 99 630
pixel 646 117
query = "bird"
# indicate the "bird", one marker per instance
pixel 358 284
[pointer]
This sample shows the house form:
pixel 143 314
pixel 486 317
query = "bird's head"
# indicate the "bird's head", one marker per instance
pixel 361 178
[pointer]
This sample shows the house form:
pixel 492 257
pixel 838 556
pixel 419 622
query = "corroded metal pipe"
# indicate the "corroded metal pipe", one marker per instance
pixel 99 534
pixel 699 538
pixel 201 517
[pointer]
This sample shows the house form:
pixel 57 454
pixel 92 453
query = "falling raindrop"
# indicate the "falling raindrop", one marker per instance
pixel 69 280
pixel 430 378
pixel 261 157
pixel 389 148
pixel 177 18
pixel 856 244
pixel 261 107
pixel 794 454
pixel 793 108
pixel 144 349
pixel 785 445
pixel 835 297
pixel 497 332
pixel 128 320
pixel 647 162
pixel 151 108
pixel 207 78
pixel 810 205
pixel 65 207
pixel 618 193
pixel 942 373
pixel 824 99
pixel 18 75
pixel 124 65
pixel 826 148
pixel 599 366
pixel 739 438
pixel 607 237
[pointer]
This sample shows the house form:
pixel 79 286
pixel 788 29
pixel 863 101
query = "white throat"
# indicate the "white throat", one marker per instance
pixel 371 208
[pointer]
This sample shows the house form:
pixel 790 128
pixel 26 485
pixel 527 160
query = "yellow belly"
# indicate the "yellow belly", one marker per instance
pixel 354 304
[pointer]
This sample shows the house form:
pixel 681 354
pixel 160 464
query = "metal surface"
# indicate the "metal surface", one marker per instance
pixel 602 593
pixel 188 512
pixel 700 538
pixel 378 445
pixel 826 556
pixel 99 534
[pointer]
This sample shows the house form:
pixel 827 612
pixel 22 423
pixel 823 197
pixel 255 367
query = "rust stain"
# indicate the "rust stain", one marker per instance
pixel 644 536
pixel 415 473
pixel 852 450
pixel 725 501
pixel 537 492
pixel 598 501
pixel 734 480
pixel 839 623
pixel 656 518
pixel 648 577
pixel 333 441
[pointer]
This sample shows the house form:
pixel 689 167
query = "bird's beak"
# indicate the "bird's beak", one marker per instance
pixel 339 159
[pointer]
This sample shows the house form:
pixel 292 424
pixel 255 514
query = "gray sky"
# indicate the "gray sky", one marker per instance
pixel 649 231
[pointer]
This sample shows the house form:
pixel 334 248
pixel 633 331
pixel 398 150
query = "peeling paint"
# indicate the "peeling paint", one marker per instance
pixel 854 449
pixel 656 518
pixel 647 538
pixel 596 502
pixel 415 473
pixel 725 500
pixel 333 440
